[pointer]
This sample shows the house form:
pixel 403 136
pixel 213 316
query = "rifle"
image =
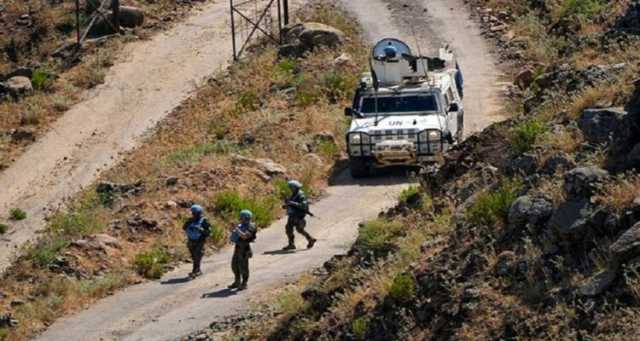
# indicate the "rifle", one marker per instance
pixel 293 204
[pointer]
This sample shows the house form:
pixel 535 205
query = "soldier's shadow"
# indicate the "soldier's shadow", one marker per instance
pixel 282 252
pixel 222 293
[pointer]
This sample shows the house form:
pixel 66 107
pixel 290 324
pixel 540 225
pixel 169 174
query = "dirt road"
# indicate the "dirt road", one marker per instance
pixel 174 307
pixel 156 76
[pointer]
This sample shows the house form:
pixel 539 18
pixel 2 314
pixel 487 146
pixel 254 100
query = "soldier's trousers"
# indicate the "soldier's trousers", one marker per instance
pixel 196 249
pixel 298 224
pixel 240 263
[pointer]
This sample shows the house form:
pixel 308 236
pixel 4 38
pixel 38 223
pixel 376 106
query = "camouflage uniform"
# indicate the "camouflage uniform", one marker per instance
pixel 297 208
pixel 241 254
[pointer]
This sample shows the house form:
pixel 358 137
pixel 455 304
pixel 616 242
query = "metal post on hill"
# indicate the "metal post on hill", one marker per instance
pixel 115 8
pixel 256 16
pixel 78 23
pixel 285 8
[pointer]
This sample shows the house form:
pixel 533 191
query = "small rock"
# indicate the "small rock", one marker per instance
pixel 18 86
pixel 525 164
pixel 597 284
pixel 524 78
pixel 504 263
pixel 24 20
pixel 23 134
pixel 22 72
pixel 342 59
pixel 104 240
pixel 171 204
pixel 558 162
pixel 313 159
pixel 171 181
pixel 627 245
pixel 17 303
pixel 268 166
pixel 527 210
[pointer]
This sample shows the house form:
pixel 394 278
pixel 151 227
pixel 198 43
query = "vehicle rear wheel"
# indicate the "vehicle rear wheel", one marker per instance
pixel 358 168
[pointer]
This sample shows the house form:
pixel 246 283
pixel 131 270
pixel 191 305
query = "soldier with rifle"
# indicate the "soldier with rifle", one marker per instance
pixel 297 209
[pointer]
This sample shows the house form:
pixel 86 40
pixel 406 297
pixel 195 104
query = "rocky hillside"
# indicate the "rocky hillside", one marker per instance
pixel 528 230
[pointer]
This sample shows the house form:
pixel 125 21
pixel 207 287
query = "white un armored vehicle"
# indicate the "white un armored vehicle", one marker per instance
pixel 407 110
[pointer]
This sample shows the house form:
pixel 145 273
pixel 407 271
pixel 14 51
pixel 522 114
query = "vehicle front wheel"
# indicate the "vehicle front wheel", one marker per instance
pixel 358 168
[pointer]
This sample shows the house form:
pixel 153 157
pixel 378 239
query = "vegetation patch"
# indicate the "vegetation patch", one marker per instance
pixel 17 214
pixel 492 206
pixel 4 228
pixel 152 264
pixel 525 135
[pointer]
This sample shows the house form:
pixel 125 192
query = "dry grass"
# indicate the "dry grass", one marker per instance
pixel 621 193
pixel 246 109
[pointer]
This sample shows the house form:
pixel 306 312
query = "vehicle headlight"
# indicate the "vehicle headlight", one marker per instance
pixel 435 135
pixel 358 138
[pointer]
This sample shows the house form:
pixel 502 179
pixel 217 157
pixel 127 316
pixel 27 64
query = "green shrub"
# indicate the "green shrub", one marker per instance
pixel 584 9
pixel 4 228
pixel 47 251
pixel 42 79
pixel 409 192
pixel 230 203
pixel 287 67
pixel 524 135
pixel 336 86
pixel 492 207
pixel 17 214
pixel 197 152
pixel 4 333
pixel 328 149
pixel 359 328
pixel 376 237
pixel 402 288
pixel 81 219
pixel 247 101
pixel 151 264
pixel 101 285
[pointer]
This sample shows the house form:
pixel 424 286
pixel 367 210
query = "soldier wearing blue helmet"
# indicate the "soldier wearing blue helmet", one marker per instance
pixel 297 209
pixel 242 236
pixel 197 229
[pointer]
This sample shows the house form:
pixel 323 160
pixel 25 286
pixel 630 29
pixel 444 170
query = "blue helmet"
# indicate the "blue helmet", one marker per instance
pixel 390 51
pixel 197 209
pixel 246 214
pixel 293 184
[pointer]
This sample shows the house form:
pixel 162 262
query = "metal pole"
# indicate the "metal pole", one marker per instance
pixel 78 22
pixel 285 4
pixel 233 31
pixel 115 7
pixel 279 22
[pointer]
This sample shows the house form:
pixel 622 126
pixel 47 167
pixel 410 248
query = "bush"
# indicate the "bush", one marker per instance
pixel 336 86
pixel 376 237
pixel 196 152
pixel 3 228
pixel 150 264
pixel 42 79
pixel 17 214
pixel 47 252
pixel 359 328
pixel 493 206
pixel 402 288
pixel 247 101
pixel 524 135
pixel 82 218
pixel 230 203
pixel 328 149
pixel 584 9
pixel 409 192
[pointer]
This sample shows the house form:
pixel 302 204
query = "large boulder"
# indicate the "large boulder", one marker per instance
pixel 529 211
pixel 525 164
pixel 18 86
pixel 558 162
pixel 583 181
pixel 267 166
pixel 601 126
pixel 628 244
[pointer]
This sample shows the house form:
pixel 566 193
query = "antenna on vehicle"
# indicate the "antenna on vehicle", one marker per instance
pixel 420 57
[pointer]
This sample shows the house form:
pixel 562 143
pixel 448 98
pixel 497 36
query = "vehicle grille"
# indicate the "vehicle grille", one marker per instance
pixel 395 134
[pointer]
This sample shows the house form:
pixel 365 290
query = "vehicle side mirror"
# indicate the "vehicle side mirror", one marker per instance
pixel 453 107
pixel 348 111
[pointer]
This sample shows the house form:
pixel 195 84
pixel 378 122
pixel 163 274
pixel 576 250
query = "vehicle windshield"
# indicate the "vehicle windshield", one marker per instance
pixel 399 104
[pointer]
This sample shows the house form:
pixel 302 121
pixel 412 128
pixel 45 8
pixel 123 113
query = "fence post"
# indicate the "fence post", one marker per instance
pixel 115 8
pixel 285 7
pixel 233 31
pixel 78 22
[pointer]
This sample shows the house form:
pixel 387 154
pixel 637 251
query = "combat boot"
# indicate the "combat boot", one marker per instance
pixel 289 247
pixel 312 241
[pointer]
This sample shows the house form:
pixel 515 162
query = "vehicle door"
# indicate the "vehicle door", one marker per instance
pixel 452 106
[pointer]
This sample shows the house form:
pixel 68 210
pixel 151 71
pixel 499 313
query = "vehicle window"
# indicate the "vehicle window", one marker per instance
pixel 399 104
